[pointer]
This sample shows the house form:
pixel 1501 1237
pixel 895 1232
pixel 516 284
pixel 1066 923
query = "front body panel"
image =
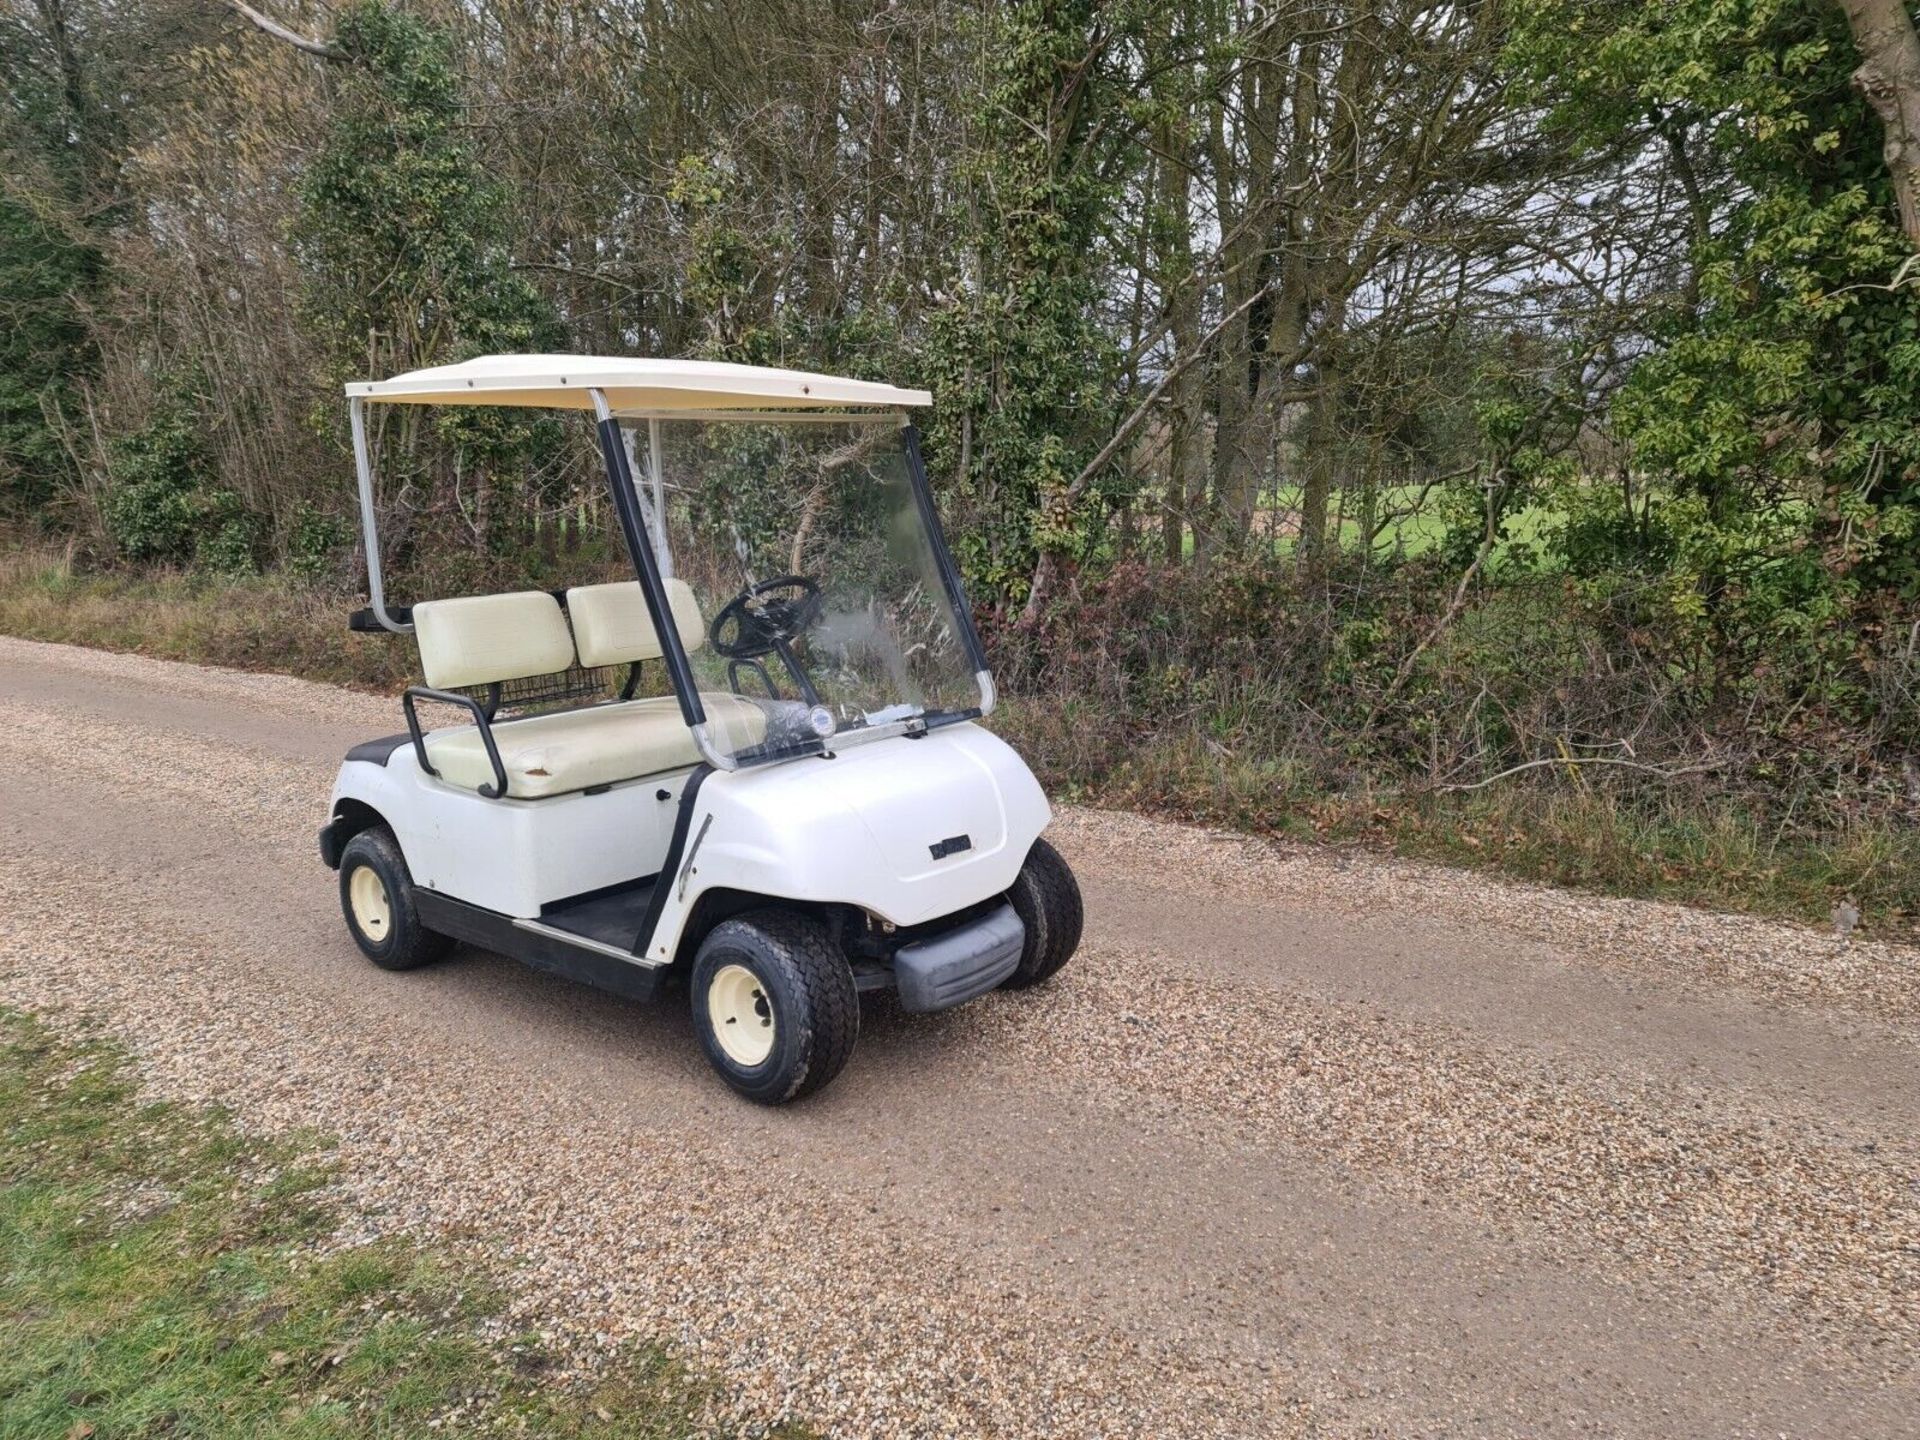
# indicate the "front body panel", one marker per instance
pixel 862 828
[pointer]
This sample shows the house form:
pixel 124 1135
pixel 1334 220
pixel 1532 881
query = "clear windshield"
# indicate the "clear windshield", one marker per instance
pixel 823 619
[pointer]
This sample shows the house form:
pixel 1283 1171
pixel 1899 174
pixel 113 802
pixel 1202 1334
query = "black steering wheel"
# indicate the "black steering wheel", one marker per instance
pixel 764 616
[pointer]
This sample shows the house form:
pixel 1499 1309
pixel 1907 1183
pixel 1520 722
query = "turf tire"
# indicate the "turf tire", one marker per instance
pixel 406 943
pixel 807 983
pixel 1046 897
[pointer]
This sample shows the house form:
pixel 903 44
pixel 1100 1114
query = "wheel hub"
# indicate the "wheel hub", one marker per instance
pixel 372 912
pixel 741 1015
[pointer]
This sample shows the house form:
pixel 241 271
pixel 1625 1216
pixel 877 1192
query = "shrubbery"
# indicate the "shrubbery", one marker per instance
pixel 316 543
pixel 165 503
pixel 1344 677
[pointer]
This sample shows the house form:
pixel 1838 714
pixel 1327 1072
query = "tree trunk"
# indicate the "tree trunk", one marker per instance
pixel 1046 576
pixel 1368 523
pixel 1187 469
pixel 1889 78
pixel 1187 453
pixel 1248 201
pixel 1315 484
pixel 1230 415
pixel 1281 345
pixel 1173 516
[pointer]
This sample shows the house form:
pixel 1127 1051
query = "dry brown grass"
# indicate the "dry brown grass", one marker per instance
pixel 263 624
pixel 1682 847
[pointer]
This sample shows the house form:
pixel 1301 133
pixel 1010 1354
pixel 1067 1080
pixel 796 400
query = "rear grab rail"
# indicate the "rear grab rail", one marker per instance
pixel 480 718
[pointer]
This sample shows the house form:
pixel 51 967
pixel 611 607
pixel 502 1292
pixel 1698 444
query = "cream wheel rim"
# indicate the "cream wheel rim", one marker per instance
pixel 741 1015
pixel 372 912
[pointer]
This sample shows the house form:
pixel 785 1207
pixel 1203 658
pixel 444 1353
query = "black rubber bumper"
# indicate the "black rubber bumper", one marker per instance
pixel 953 968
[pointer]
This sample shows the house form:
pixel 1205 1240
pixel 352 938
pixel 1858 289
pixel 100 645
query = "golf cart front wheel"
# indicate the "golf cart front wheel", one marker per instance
pixel 1046 897
pixel 376 896
pixel 774 1004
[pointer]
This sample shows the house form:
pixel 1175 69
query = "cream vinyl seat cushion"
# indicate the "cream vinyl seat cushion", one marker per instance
pixel 479 639
pixel 576 749
pixel 487 638
pixel 611 625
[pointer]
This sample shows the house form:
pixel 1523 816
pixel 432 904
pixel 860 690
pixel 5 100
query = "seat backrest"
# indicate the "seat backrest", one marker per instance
pixel 611 625
pixel 483 638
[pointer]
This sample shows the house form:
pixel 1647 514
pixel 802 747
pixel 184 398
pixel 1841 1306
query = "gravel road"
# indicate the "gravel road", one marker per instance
pixel 1302 1143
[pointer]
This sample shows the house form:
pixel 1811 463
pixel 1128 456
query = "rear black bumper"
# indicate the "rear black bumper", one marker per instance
pixel 953 968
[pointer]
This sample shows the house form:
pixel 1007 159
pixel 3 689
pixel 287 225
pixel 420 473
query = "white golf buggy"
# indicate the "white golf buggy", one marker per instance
pixel 810 813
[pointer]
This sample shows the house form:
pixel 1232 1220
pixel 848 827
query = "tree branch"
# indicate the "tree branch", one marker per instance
pixel 278 31
pixel 1045 566
pixel 1663 772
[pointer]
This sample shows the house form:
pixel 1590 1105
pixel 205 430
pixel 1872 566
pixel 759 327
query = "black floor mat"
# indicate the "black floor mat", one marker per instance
pixel 610 916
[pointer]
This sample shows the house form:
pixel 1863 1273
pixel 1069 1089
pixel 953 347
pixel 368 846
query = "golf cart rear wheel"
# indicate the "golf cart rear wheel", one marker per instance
pixel 1046 897
pixel 376 895
pixel 774 1004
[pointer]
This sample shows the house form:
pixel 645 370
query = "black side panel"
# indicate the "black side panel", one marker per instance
pixel 365 622
pixel 498 933
pixel 466 922
pixel 378 752
pixel 612 916
pixel 676 848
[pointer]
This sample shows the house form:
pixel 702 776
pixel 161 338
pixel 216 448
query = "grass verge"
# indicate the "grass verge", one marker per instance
pixel 164 1276
pixel 1683 850
pixel 1686 849
pixel 259 624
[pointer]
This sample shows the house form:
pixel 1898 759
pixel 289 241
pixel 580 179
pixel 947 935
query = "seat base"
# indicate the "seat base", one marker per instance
pixel 579 749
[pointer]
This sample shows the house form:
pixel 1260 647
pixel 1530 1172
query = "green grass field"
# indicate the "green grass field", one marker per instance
pixel 164 1277
pixel 1412 524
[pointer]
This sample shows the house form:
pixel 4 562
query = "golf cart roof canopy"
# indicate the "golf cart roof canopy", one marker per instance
pixel 631 386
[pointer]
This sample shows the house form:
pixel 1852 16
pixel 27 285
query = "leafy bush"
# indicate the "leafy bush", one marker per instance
pixel 165 503
pixel 314 542
pixel 44 348
pixel 1345 678
pixel 230 540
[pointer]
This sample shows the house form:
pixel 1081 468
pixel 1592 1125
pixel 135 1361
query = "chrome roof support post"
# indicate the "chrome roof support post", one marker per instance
pixel 656 466
pixel 369 526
